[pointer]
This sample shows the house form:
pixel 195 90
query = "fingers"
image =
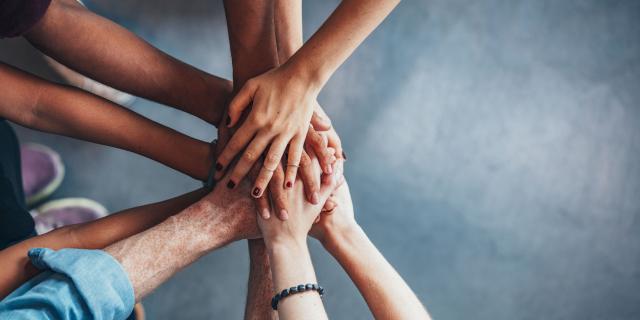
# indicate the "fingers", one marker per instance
pixel 310 180
pixel 296 148
pixel 263 206
pixel 249 157
pixel 237 143
pixel 332 181
pixel 319 122
pixel 240 102
pixel 318 145
pixel 279 194
pixel 329 206
pixel 270 165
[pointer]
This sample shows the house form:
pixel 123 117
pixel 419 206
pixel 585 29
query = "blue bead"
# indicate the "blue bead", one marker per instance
pixel 284 293
pixel 309 286
pixel 293 290
pixel 301 288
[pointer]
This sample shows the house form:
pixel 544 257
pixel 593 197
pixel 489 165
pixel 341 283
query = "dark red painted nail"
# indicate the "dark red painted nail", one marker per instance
pixel 218 166
pixel 289 184
pixel 228 120
pixel 256 191
pixel 231 184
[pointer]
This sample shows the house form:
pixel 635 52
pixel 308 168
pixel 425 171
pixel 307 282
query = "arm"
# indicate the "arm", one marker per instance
pixel 260 287
pixel 97 234
pixel 386 293
pixel 151 257
pixel 252 40
pixel 38 104
pixel 286 242
pixel 282 99
pixel 110 54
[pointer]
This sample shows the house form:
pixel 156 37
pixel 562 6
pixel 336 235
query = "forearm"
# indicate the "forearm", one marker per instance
pixel 91 235
pixel 288 28
pixel 305 305
pixel 108 53
pixel 337 38
pixel 38 104
pixel 260 286
pixel 151 257
pixel 386 293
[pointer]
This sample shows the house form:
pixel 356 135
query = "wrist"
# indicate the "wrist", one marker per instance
pixel 312 78
pixel 285 243
pixel 339 235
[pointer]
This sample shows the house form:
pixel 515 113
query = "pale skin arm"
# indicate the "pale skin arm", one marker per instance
pixel 38 104
pixel 286 243
pixel 282 99
pixel 16 268
pixel 108 53
pixel 386 293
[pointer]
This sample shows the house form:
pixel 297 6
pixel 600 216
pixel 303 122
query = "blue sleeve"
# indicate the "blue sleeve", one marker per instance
pixel 76 284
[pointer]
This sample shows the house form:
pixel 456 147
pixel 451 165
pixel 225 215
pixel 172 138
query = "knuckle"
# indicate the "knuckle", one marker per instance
pixel 249 156
pixel 272 159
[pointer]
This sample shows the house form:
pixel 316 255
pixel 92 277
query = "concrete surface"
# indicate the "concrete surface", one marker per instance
pixel 493 155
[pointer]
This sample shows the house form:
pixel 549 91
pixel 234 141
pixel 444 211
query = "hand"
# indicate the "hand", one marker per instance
pixel 337 221
pixel 276 191
pixel 282 108
pixel 320 124
pixel 297 226
pixel 237 209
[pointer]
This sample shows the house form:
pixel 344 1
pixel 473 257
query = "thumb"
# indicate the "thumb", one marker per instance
pixel 319 122
pixel 240 102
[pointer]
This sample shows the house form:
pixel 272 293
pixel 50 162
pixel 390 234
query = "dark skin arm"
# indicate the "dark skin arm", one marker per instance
pixel 104 51
pixel 38 104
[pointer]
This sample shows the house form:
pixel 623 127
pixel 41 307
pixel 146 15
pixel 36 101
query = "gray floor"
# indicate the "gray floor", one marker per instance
pixel 493 155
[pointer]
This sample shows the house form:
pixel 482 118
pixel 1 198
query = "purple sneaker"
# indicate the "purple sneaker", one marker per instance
pixel 59 213
pixel 42 172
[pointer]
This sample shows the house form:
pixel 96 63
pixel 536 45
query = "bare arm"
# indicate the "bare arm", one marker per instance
pixel 39 104
pixel 282 100
pixel 260 286
pixel 16 268
pixel 108 53
pixel 151 257
pixel 386 293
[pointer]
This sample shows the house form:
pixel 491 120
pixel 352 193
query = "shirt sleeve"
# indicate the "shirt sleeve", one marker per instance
pixel 76 284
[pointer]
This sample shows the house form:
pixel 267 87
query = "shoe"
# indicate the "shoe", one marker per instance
pixel 42 172
pixel 59 213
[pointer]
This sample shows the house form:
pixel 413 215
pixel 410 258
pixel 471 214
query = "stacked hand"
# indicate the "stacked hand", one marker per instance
pixel 267 123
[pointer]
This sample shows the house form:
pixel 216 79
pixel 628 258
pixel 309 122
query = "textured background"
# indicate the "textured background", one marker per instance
pixel 493 147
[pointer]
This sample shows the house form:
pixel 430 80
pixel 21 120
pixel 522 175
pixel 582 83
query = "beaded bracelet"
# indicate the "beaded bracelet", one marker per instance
pixel 293 290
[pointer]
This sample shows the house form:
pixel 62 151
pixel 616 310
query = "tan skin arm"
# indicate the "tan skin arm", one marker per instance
pixel 38 104
pixel 282 100
pixel 108 53
pixel 16 268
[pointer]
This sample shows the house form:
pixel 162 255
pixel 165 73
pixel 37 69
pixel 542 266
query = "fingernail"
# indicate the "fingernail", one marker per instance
pixel 265 213
pixel 231 184
pixel 284 215
pixel 315 198
pixel 228 120
pixel 344 155
pixel 218 166
pixel 289 184
pixel 256 192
